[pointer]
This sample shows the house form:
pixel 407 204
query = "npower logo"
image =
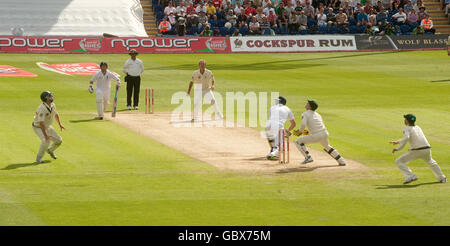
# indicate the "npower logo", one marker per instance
pixel 132 43
pixel 33 42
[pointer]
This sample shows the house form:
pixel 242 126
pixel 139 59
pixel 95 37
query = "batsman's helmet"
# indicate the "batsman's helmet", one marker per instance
pixel 282 100
pixel 410 117
pixel 313 104
pixel 45 96
pixel 103 63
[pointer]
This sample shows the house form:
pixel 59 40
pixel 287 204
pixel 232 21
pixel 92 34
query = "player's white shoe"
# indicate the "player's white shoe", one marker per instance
pixel 136 107
pixel 307 160
pixel 341 162
pixel 444 180
pixel 129 107
pixel 273 155
pixel 410 179
pixel 39 161
pixel 51 154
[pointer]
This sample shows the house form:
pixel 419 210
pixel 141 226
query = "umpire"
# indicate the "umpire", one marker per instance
pixel 133 69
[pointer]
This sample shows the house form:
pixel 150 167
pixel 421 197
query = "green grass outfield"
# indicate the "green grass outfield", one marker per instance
pixel 109 175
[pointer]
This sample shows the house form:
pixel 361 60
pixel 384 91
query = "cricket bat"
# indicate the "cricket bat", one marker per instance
pixel 113 114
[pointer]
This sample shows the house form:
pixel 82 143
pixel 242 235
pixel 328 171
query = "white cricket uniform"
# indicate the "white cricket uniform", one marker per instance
pixel 103 89
pixel 419 149
pixel 46 114
pixel 278 115
pixel 202 90
pixel 317 134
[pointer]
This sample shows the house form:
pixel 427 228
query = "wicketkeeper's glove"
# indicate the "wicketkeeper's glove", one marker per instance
pixel 91 90
pixel 298 133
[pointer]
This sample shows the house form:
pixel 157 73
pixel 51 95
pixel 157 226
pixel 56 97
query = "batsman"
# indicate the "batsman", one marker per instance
pixel 317 133
pixel 103 89
pixel 278 115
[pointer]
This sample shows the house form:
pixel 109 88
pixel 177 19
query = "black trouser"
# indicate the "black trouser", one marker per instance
pixel 133 83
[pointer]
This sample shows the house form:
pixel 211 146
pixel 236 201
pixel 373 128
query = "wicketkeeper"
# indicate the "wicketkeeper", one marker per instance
pixel 42 126
pixel 420 149
pixel 317 134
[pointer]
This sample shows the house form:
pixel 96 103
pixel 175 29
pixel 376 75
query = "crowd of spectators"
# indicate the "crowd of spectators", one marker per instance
pixel 290 17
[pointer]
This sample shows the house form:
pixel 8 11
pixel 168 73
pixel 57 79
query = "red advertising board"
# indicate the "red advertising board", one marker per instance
pixel 18 44
pixel 10 71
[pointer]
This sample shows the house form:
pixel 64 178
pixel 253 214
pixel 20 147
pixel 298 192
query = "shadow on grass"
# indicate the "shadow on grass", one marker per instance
pixel 82 121
pixel 303 169
pixel 402 186
pixel 21 165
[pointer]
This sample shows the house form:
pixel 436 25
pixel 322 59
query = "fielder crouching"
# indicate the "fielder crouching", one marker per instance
pixel 42 126
pixel 317 134
pixel 420 149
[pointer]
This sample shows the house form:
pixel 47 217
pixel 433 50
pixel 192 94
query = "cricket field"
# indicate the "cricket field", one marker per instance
pixel 107 174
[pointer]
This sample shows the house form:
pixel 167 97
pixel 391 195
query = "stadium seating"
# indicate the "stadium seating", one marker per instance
pixel 72 17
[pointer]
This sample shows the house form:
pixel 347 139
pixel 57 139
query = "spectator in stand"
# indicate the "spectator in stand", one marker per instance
pixel 321 18
pixel 284 22
pixel 361 18
pixel 217 3
pixel 368 8
pixel 180 26
pixel 418 5
pixel 231 17
pixel 335 4
pixel 170 9
pixel 421 14
pixel 254 27
pixel 242 18
pixel 331 17
pixel 413 18
pixel 164 26
pixel 265 3
pixel 210 10
pixel 191 17
pixel 356 9
pixel 427 24
pixel 249 11
pixel 298 7
pixel 172 19
pixel 381 18
pixel 400 17
pixel 408 7
pixel 202 20
pixel 341 18
pixel 181 14
pixel 238 9
pixel 236 33
pixel 302 21
pixel 279 9
pixel 200 8
pixel 259 14
pixel 289 8
pixel 395 6
pixel 373 18
pixel 348 10
pixel 293 23
pixel 180 8
pixel 268 8
pixel 227 6
pixel 207 32
pixel 272 19
pixel 309 10
pixel 265 26
pixel 378 6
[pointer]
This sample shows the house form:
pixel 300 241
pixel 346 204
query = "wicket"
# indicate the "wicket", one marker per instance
pixel 283 146
pixel 149 100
